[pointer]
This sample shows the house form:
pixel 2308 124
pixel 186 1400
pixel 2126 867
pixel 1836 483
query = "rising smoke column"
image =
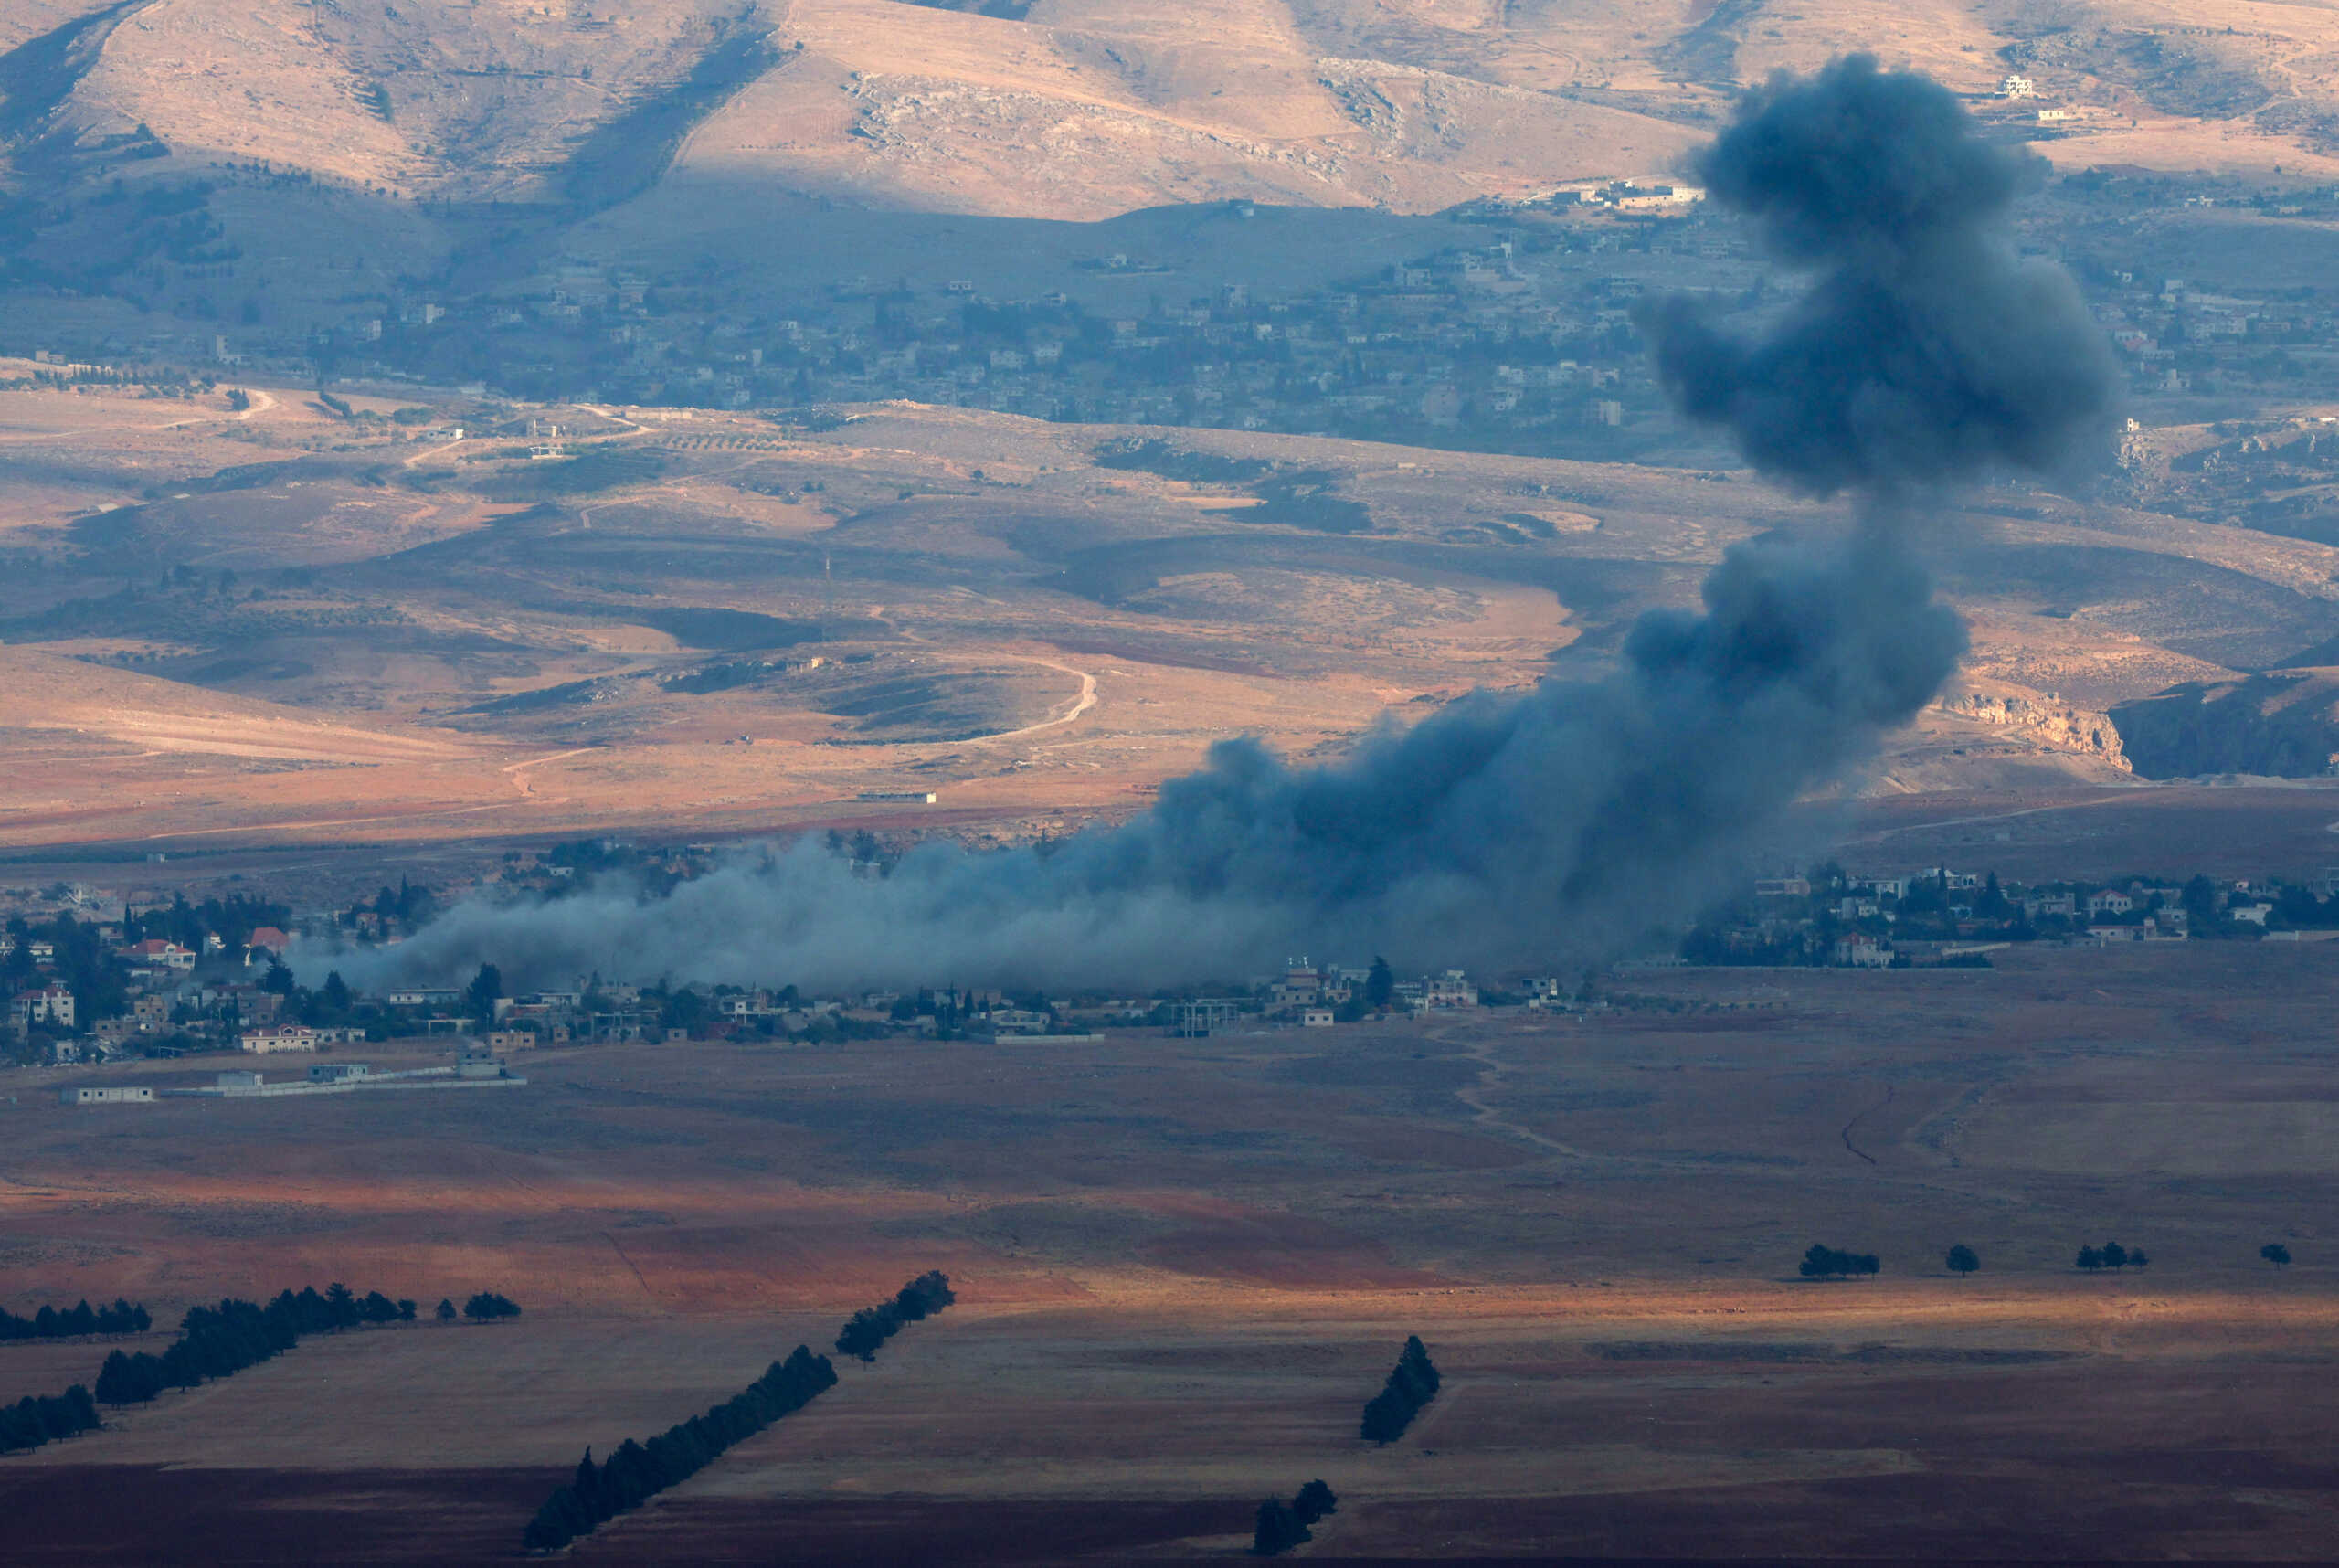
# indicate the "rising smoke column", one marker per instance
pixel 1511 830
pixel 1926 354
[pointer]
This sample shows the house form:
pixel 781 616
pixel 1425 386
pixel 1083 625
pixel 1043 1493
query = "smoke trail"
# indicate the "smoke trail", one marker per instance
pixel 1512 830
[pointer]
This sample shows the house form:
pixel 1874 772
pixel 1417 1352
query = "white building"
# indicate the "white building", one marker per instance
pixel 285 1037
pixel 418 996
pixel 1452 989
pixel 51 1004
pixel 111 1095
pixel 1858 951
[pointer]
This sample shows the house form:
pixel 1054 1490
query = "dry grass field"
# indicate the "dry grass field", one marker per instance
pixel 1183 1264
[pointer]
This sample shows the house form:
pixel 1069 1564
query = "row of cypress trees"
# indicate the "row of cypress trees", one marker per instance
pixel 1412 1382
pixel 637 1471
pixel 872 1326
pixel 222 1341
pixel 72 1322
pixel 31 1422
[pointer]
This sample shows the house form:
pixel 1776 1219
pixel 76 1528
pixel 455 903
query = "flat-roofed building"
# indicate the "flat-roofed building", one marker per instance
pixel 108 1094
pixel 286 1037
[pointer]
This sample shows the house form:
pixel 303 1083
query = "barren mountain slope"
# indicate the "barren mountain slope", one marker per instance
pixel 1081 108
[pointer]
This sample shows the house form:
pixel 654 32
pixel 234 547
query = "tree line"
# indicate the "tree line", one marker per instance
pixel 1412 1383
pixel 73 1323
pixel 220 1341
pixel 872 1326
pixel 1827 1263
pixel 2112 1255
pixel 33 1421
pixel 1284 1525
pixel 637 1471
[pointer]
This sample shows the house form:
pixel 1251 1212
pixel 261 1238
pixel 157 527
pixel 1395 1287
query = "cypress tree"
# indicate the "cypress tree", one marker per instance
pixel 1412 1382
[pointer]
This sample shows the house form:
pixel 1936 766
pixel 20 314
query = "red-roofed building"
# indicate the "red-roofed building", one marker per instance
pixel 267 940
pixel 157 953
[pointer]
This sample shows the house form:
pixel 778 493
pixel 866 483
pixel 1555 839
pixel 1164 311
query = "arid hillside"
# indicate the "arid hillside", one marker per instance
pixel 285 622
pixel 424 125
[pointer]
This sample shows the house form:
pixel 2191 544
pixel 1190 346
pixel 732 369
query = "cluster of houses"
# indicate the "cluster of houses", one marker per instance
pixel 164 998
pixel 1313 996
pixel 1528 329
pixel 177 998
pixel 1873 922
pixel 1518 328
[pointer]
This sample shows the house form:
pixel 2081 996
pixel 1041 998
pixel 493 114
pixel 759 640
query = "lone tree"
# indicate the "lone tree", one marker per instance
pixel 2276 1254
pixel 2089 1259
pixel 1962 1259
pixel 446 1313
pixel 1412 1382
pixel 1314 1500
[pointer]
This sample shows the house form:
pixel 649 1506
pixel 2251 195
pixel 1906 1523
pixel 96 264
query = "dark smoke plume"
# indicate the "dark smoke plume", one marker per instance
pixel 1926 353
pixel 1510 830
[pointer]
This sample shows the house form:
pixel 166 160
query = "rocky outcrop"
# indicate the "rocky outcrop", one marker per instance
pixel 2281 724
pixel 2057 727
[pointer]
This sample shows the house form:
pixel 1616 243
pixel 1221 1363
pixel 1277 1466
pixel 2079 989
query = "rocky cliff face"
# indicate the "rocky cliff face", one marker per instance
pixel 2281 723
pixel 2055 726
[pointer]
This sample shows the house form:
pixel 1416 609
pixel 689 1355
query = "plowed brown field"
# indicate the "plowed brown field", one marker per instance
pixel 1183 1264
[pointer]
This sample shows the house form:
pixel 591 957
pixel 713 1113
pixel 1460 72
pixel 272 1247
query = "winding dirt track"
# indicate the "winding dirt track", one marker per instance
pixel 1081 705
pixel 1482 1051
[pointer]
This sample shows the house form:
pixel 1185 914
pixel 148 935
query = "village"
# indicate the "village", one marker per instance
pixel 1507 344
pixel 90 982
pixel 1521 337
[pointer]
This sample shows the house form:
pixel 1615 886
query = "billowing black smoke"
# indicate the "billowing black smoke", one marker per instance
pixel 1511 830
pixel 1926 353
